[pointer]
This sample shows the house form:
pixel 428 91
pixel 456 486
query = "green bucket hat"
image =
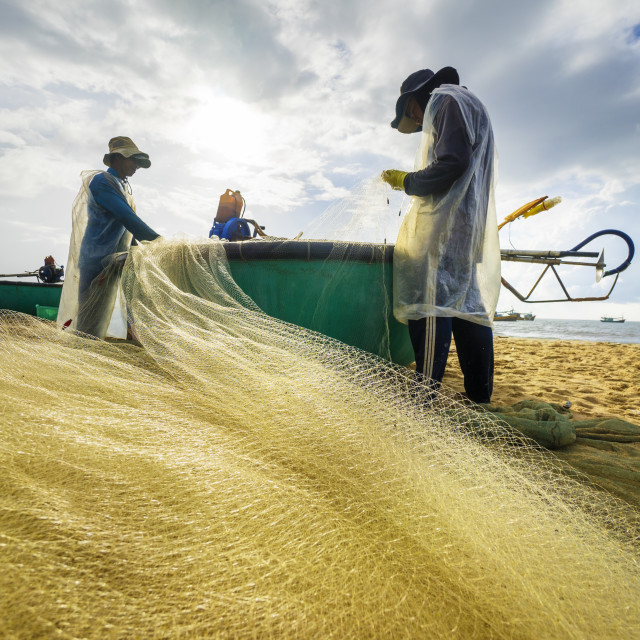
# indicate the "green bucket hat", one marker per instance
pixel 126 147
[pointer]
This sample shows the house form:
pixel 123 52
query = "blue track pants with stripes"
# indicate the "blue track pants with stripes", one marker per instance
pixel 431 340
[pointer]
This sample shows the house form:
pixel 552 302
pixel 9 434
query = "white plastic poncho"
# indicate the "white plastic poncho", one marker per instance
pixel 91 301
pixel 447 256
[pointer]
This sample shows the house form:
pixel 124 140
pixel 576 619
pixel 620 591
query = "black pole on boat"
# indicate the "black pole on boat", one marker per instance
pixel 26 274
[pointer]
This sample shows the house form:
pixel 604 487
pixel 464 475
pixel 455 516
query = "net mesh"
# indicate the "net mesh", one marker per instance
pixel 239 476
pixel 370 212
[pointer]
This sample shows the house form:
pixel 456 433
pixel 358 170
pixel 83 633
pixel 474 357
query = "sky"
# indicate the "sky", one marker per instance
pixel 290 101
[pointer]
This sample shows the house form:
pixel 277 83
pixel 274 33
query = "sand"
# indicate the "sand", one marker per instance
pixel 600 379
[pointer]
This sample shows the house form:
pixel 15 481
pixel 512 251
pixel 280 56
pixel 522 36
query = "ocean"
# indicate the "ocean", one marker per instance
pixel 591 330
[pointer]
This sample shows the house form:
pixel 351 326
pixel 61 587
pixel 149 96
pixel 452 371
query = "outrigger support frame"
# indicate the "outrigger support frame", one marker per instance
pixel 552 259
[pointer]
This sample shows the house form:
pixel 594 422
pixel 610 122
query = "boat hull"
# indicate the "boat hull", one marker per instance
pixel 25 296
pixel 342 290
pixel 355 310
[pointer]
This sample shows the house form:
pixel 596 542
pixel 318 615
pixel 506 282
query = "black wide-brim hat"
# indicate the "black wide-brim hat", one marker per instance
pixel 426 81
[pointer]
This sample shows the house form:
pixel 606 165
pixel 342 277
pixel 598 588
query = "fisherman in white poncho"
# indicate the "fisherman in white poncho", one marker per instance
pixel 447 257
pixel 104 223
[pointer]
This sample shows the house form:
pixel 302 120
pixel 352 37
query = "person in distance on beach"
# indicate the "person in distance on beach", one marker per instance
pixel 104 223
pixel 447 257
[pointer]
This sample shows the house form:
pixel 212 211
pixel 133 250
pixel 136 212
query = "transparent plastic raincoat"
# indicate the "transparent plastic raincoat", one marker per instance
pixel 90 300
pixel 447 256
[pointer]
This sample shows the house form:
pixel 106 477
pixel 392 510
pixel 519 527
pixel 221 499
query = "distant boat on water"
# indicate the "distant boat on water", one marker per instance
pixel 512 316
pixel 610 319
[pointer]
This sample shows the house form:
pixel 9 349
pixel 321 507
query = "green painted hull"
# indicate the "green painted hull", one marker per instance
pixel 342 291
pixel 350 303
pixel 24 296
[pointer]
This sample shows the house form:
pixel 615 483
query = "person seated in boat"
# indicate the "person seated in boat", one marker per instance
pixel 104 223
pixel 446 263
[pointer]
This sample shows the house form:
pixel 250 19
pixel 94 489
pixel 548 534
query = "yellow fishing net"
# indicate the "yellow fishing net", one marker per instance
pixel 241 477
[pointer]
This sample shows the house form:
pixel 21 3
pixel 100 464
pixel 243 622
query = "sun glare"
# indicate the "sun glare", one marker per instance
pixel 226 127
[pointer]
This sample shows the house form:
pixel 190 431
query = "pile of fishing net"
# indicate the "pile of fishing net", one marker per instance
pixel 237 476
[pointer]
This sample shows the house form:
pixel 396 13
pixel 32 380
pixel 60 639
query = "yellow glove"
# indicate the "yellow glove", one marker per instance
pixel 394 178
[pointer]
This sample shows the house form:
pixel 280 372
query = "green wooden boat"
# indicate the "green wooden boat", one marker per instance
pixel 342 290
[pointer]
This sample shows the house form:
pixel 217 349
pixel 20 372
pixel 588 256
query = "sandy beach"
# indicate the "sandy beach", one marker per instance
pixel 600 379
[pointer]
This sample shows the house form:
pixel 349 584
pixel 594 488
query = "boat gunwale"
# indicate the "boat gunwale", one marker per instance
pixel 30 284
pixel 309 250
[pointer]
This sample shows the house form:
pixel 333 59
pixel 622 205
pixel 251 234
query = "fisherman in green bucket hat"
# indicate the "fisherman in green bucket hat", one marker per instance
pixel 104 224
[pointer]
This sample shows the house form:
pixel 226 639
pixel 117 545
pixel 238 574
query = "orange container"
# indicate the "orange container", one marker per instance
pixel 230 206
